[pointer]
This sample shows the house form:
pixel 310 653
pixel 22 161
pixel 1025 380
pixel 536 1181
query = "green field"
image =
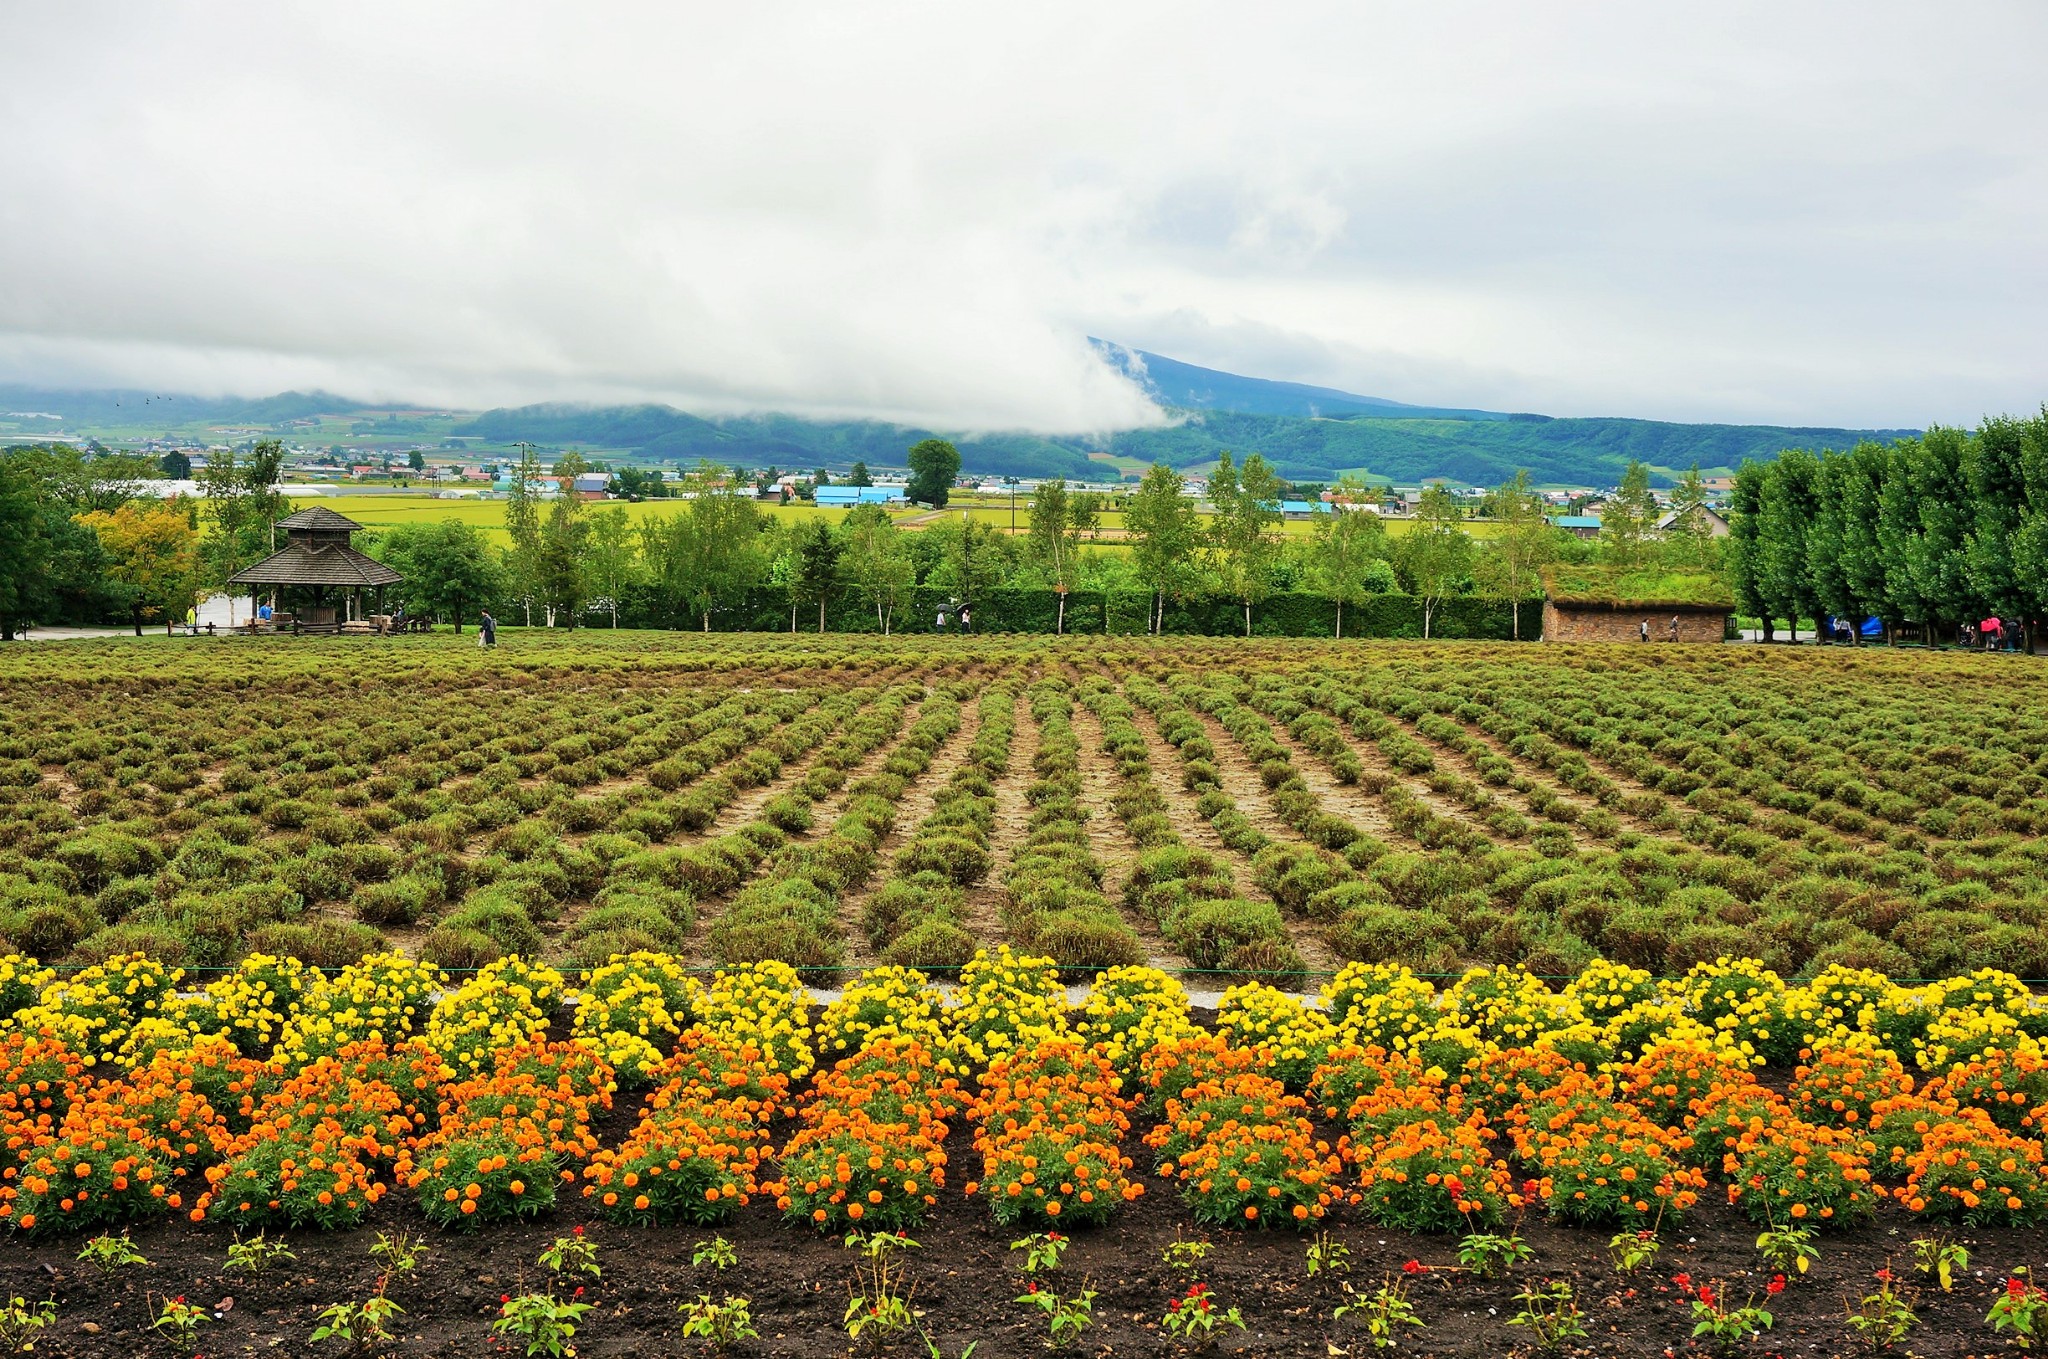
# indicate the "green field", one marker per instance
pixel 390 511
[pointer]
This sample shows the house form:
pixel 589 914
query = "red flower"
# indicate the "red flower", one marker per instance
pixel 1413 1267
pixel 1031 1287
pixel 1884 1276
pixel 1705 1295
pixel 1682 1280
pixel 1776 1285
pixel 577 1231
pixel 2016 1288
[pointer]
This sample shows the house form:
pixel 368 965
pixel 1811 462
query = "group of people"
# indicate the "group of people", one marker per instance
pixel 1643 630
pixel 966 618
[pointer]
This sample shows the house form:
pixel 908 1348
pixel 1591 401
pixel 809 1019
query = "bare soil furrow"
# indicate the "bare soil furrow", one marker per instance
pixel 916 805
pixel 1110 841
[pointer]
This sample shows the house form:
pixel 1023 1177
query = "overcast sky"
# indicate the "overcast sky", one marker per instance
pixel 1792 213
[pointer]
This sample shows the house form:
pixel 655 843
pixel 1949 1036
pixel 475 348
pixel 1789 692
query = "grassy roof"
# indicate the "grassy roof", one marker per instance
pixel 1611 587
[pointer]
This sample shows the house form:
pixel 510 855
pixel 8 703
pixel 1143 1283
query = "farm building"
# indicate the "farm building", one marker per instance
pixel 1585 526
pixel 1605 604
pixel 845 497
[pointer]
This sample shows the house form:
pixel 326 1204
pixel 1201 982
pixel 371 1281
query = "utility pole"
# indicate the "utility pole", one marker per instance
pixel 966 560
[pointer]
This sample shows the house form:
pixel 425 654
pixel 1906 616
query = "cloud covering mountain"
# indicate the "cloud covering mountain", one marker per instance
pixel 917 213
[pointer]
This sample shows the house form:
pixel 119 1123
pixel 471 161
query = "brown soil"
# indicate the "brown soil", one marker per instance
pixel 1241 782
pixel 827 810
pixel 1111 842
pixel 912 810
pixel 1536 773
pixel 966 1279
pixel 985 903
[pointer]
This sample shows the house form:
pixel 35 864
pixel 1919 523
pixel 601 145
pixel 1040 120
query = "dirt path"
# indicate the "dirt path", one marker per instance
pixel 1538 774
pixel 1241 781
pixel 916 805
pixel 984 921
pixel 1110 840
pixel 825 811
pixel 1362 808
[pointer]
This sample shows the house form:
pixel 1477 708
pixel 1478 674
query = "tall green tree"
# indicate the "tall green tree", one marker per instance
pixel 1628 521
pixel 1245 535
pixel 1941 552
pixel 1165 529
pixel 562 580
pixel 1084 514
pixel 450 568
pixel 1744 560
pixel 1861 487
pixel 2030 536
pixel 243 506
pixel 1898 535
pixel 1345 545
pixel 877 563
pixel 1511 567
pixel 522 524
pixel 1052 540
pixel 1826 566
pixel 1436 552
pixel 859 476
pixel 1783 521
pixel 934 463
pixel 611 558
pixel 1994 470
pixel 708 556
pixel 1691 527
pixel 815 572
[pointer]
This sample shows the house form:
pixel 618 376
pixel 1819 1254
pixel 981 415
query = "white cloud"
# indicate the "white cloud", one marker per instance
pixel 1803 213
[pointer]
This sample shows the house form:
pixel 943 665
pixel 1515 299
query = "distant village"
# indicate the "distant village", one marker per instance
pixel 444 473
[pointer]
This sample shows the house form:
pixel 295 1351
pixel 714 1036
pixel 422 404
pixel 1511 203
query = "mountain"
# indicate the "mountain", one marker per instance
pixel 1183 386
pixel 84 410
pixel 1309 433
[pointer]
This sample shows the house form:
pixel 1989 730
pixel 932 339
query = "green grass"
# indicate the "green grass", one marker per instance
pixel 1614 587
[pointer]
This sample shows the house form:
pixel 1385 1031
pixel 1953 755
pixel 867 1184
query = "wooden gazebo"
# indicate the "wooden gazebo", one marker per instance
pixel 317 557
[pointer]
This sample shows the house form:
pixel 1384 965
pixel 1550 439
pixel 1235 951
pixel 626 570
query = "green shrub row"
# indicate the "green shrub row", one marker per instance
pixel 1056 906
pixel 919 917
pixel 1188 892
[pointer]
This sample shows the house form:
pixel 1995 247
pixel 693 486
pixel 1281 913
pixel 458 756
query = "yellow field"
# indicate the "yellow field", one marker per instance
pixel 390 511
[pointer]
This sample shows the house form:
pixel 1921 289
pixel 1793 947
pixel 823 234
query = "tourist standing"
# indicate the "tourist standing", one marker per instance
pixel 486 630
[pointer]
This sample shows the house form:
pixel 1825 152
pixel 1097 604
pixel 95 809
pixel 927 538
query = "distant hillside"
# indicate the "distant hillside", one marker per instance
pixel 1183 386
pixel 1309 433
pixel 664 434
pixel 84 410
pixel 1405 450
pixel 1572 452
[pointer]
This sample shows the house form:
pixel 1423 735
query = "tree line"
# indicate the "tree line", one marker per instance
pixel 1930 535
pixel 80 542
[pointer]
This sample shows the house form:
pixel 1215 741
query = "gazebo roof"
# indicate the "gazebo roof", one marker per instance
pixel 303 563
pixel 319 519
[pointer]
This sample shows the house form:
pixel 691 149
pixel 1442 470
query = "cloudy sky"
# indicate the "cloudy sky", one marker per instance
pixel 1782 212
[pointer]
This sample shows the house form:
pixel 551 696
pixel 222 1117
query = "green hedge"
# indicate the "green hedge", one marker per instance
pixel 1122 613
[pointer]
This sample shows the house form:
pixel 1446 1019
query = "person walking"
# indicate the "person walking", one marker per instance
pixel 486 630
pixel 940 626
pixel 1643 631
pixel 1674 627
pixel 966 619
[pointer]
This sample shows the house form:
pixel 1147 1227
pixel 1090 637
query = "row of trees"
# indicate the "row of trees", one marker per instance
pixel 1937 531
pixel 567 559
pixel 77 541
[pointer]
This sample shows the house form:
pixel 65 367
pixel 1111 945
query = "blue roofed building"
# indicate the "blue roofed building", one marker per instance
pixel 1578 525
pixel 846 497
pixel 1302 509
